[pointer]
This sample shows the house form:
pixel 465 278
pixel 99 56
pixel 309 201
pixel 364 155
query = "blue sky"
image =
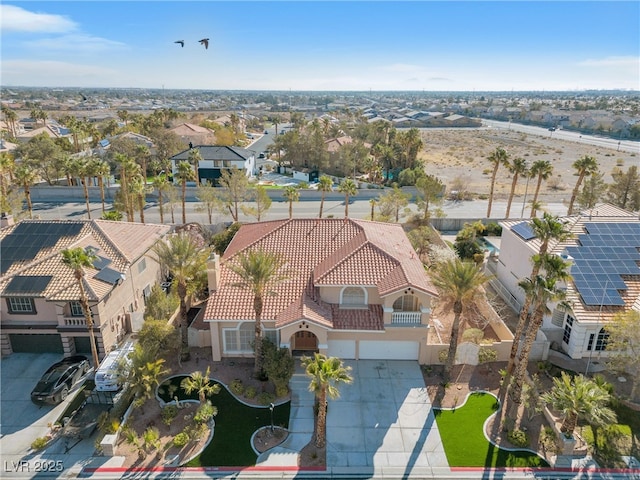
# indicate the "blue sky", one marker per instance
pixel 299 45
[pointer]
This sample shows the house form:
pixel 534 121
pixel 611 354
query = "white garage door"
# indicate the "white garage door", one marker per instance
pixel 377 350
pixel 343 349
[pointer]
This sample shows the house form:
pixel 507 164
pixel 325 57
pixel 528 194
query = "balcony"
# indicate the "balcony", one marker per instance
pixel 405 318
pixel 75 322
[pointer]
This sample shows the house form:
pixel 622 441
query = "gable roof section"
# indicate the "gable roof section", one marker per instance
pixel 118 244
pixel 320 252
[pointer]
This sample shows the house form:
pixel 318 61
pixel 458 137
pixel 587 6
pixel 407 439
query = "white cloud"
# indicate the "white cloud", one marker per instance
pixel 16 19
pixel 609 62
pixel 76 42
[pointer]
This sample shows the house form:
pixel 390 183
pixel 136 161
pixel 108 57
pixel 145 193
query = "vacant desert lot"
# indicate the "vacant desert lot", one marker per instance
pixel 462 154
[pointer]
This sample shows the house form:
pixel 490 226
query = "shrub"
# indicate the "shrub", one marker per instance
pixel 473 335
pixel 180 440
pixel 250 391
pixel 39 443
pixel 518 438
pixel 205 412
pixel 265 398
pixel 236 387
pixel 169 412
pixel 282 391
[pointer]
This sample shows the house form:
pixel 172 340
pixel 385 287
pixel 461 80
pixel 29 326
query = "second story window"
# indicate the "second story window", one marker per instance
pixel 76 309
pixel 142 265
pixel 406 303
pixel 21 305
pixel 353 296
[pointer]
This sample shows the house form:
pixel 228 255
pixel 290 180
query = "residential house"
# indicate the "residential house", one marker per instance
pixel 216 159
pixel 194 134
pixel 40 309
pixel 605 270
pixel 355 289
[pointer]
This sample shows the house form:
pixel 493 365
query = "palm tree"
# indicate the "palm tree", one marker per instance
pixel 349 189
pixel 543 169
pixel 186 261
pixel 77 259
pixel 26 176
pixel 194 159
pixel 144 374
pixel 546 229
pixel 128 168
pixel 584 166
pixel 517 167
pixel 7 165
pixel 197 382
pixel 497 158
pixel 185 173
pixel 580 398
pixel 82 169
pixel 139 190
pixel 460 285
pixel 291 194
pixel 325 184
pixel 276 120
pixel 100 169
pixel 142 157
pixel 325 373
pixel 259 272
pixel 11 118
pixel 161 184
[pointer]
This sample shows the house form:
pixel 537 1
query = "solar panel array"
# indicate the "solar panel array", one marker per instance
pixel 28 238
pixel 606 251
pixel 27 285
pixel 523 230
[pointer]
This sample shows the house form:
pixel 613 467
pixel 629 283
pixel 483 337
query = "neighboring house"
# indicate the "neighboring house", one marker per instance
pixel 40 309
pixel 355 290
pixel 605 269
pixel 49 130
pixel 195 134
pixel 216 159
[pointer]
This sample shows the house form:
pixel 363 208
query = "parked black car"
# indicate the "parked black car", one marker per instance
pixel 56 382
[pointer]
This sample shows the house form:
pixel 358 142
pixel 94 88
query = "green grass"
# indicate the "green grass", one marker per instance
pixel 234 425
pixel 465 444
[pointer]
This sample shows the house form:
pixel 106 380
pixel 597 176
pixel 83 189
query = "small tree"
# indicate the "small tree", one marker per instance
pixel 261 202
pixel 624 346
pixel 161 306
pixel 278 365
pixel 197 382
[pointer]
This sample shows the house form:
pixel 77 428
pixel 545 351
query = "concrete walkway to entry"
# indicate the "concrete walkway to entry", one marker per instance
pixel 383 421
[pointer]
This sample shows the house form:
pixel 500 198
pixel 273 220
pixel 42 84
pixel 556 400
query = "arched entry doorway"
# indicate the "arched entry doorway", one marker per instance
pixel 304 342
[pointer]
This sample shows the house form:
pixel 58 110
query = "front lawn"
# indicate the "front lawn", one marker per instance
pixel 234 425
pixel 464 442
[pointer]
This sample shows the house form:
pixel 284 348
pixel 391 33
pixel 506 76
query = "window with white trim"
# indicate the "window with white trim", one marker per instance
pixel 566 336
pixel 352 296
pixel 21 305
pixel 241 338
pixel 75 308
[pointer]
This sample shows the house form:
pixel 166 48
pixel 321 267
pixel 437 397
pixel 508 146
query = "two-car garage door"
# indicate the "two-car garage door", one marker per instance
pixel 374 350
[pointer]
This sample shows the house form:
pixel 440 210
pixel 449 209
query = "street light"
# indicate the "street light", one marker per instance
pixel 271 407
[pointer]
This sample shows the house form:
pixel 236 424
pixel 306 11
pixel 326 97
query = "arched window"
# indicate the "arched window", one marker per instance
pixel 354 296
pixel 406 303
pixel 240 338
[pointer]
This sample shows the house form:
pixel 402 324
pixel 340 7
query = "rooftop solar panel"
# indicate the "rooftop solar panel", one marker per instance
pixel 523 230
pixel 109 275
pixel 101 262
pixel 27 285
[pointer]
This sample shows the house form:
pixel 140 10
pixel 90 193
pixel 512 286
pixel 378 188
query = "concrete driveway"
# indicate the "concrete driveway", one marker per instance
pixel 21 420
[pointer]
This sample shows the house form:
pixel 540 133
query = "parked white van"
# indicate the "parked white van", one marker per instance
pixel 106 378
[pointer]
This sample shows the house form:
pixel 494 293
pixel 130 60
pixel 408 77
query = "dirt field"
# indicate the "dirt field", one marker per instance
pixel 451 154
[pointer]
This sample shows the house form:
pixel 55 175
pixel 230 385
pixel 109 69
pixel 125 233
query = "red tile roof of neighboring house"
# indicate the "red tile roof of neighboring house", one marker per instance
pixel 321 252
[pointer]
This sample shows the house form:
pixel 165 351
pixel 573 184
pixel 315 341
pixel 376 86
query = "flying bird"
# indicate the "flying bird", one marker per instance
pixel 205 42
pixel 181 42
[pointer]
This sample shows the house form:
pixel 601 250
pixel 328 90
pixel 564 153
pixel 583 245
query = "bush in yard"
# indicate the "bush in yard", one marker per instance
pixel 205 412
pixel 180 440
pixel 39 443
pixel 518 438
pixel 169 412
pixel 282 391
pixel 265 398
pixel 250 391
pixel 237 387
pixel 278 364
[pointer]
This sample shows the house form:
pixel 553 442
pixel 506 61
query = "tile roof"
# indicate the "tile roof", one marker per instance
pixel 121 242
pixel 321 252
pixel 214 152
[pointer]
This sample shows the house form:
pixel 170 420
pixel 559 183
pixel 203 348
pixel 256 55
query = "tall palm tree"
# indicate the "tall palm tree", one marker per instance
pixel 276 120
pixel 325 184
pixel 185 173
pixel 259 273
pixel 584 166
pixel 349 189
pixel 291 194
pixel 100 169
pixel 546 229
pixel 325 373
pixel 460 285
pixel 7 165
pixel 517 167
pixel 544 289
pixel 195 157
pixel 139 190
pixel 580 398
pixel 142 157
pixel 161 184
pixel 82 169
pixel 543 169
pixel 186 261
pixel 77 259
pixel 197 382
pixel 128 169
pixel 497 158
pixel 11 118
pixel 26 177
